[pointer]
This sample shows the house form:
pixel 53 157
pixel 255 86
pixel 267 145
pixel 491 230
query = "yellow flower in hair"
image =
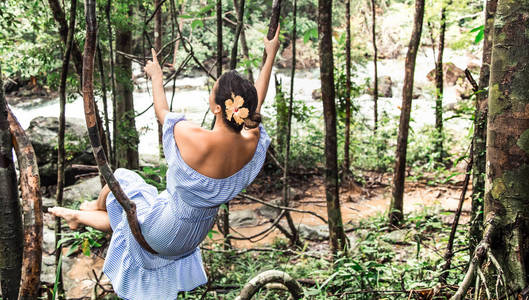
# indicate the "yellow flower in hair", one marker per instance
pixel 234 109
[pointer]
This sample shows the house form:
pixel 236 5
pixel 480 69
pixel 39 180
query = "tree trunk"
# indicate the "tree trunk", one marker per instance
pixel 219 38
pixel 240 20
pixel 107 144
pixel 274 22
pixel 280 104
pixel 507 187
pixel 396 207
pixel 439 83
pixel 31 210
pixel 158 47
pixel 60 144
pixel 337 238
pixel 92 126
pixel 294 237
pixel 224 212
pixel 244 44
pixel 113 82
pixel 126 138
pixel 480 131
pixel 375 57
pixel 58 15
pixel 347 143
pixel 11 240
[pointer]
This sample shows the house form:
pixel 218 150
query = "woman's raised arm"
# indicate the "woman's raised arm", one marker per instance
pixel 261 84
pixel 154 71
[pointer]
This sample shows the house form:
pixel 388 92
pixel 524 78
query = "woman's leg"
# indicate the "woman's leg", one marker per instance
pixel 99 204
pixel 96 219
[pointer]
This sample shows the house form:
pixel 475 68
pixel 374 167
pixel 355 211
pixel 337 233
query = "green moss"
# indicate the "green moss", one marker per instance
pixel 496 106
pixel 523 141
pixel 498 188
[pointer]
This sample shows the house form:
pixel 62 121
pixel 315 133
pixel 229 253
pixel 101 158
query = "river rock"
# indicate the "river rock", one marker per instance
pixel 399 237
pixel 316 94
pixel 314 233
pixel 243 218
pixel 305 56
pixel 384 87
pixel 43 133
pixel 451 74
pixel 85 190
pixel 269 212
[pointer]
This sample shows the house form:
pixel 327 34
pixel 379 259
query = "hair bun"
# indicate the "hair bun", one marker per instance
pixel 252 121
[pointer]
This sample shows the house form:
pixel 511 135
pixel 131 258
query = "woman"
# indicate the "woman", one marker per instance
pixel 206 169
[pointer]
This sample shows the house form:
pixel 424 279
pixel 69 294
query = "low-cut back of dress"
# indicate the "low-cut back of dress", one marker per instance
pixel 174 223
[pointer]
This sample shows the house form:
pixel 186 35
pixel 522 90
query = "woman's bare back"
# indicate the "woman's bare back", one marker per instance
pixel 215 153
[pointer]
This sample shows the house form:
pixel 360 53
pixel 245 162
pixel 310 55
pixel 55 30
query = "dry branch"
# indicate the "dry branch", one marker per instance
pixel 283 207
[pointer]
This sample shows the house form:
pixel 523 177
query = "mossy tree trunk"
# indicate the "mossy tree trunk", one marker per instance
pixel 337 238
pixel 126 138
pixel 396 207
pixel 480 131
pixel 507 168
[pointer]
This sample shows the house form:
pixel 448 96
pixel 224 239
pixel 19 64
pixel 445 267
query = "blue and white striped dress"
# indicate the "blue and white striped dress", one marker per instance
pixel 174 223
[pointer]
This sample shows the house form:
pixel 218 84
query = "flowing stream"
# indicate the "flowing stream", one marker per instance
pixel 191 97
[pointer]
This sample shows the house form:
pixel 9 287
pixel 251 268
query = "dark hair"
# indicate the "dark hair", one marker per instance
pixel 232 82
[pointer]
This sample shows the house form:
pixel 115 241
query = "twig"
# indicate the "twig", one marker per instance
pixel 449 249
pixel 155 11
pixel 283 207
pixel 278 218
pixel 470 78
pixel 478 257
pixel 482 276
pixel 500 271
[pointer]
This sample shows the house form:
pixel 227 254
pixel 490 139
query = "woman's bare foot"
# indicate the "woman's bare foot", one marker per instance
pixel 69 215
pixel 89 205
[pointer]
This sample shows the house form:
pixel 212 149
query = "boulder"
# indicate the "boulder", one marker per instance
pixel 269 212
pixel 43 133
pixel 451 74
pixel 316 94
pixel 305 57
pixel 384 87
pixel 85 190
pixel 314 233
pixel 243 218
pixel 398 237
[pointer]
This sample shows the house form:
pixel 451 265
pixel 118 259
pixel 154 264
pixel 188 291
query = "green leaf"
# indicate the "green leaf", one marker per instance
pixel 57 276
pixel 479 28
pixel 197 23
pixel 73 249
pixel 479 37
pixel 309 34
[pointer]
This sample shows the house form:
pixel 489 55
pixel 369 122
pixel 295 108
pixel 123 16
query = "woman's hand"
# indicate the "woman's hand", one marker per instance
pixel 271 46
pixel 152 68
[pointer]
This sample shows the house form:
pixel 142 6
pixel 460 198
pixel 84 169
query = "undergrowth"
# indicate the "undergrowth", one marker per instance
pixel 381 264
